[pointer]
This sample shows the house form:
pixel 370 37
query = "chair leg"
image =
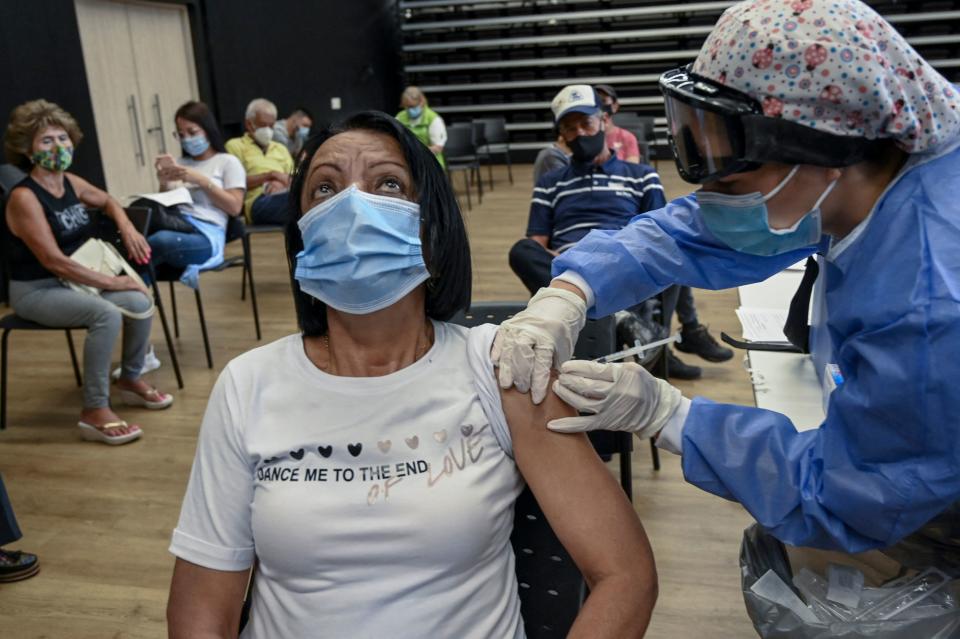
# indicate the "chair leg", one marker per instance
pixel 245 243
pixel 243 278
pixel 248 272
pixel 490 172
pixel 203 329
pixel 626 465
pixel 3 381
pixel 166 334
pixel 173 307
pixel 509 166
pixel 479 184
pixel 73 359
pixel 466 183
pixel 655 455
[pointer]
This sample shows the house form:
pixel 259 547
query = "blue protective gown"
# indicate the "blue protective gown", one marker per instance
pixel 887 457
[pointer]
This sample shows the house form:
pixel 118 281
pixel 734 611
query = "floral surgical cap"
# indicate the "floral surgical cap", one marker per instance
pixel 832 65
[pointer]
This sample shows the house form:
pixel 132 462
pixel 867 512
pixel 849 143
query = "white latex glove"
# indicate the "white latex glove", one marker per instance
pixel 538 338
pixel 619 397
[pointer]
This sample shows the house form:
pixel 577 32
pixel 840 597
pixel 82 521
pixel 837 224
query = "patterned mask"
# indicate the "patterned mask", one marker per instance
pixel 58 158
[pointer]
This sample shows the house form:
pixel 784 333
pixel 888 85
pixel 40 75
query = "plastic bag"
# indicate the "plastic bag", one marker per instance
pixel 919 606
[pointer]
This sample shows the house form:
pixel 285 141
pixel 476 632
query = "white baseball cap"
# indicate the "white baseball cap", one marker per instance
pixel 575 98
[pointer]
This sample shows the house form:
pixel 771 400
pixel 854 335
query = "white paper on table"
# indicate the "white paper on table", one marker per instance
pixel 799 266
pixel 763 324
pixel 169 198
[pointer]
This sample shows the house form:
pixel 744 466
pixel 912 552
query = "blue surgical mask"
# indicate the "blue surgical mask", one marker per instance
pixel 415 112
pixel 742 221
pixel 303 132
pixel 196 145
pixel 361 252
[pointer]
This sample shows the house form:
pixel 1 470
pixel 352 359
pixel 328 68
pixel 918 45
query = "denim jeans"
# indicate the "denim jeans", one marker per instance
pixel 9 531
pixel 179 249
pixel 270 209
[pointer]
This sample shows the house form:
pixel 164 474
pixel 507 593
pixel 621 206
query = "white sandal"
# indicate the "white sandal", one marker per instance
pixel 131 398
pixel 91 433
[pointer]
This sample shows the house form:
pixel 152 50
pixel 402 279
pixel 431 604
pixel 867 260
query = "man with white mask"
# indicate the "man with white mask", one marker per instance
pixel 814 133
pixel 268 164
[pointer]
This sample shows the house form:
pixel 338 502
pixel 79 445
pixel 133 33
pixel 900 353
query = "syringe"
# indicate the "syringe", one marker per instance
pixel 638 349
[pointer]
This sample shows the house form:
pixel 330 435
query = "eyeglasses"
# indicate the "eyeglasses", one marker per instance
pixel 176 135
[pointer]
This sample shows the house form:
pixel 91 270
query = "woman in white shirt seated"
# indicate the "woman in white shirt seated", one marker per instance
pixel 216 181
pixel 370 464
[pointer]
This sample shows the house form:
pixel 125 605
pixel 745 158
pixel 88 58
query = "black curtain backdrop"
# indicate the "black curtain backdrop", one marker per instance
pixel 293 52
pixel 41 57
pixel 296 52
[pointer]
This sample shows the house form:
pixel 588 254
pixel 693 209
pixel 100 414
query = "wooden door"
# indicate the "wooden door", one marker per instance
pixel 140 68
pixel 117 108
pixel 166 72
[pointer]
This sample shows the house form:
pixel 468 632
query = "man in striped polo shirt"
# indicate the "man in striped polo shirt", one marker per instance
pixel 595 191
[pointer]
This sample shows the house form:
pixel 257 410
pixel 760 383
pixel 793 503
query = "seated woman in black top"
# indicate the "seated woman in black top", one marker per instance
pixel 48 221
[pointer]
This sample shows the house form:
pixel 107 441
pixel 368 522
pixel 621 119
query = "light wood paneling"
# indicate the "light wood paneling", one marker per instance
pixel 166 73
pixel 140 67
pixel 100 518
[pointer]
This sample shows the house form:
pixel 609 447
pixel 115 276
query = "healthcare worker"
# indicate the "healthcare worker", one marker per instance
pixel 812 128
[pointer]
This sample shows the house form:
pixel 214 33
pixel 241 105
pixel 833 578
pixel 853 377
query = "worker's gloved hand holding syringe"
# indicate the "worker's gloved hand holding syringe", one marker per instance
pixel 623 397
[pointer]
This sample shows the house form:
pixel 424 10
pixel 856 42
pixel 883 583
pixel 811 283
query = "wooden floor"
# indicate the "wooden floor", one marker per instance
pixel 100 518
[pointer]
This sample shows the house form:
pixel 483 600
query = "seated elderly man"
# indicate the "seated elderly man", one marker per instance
pixel 293 130
pixel 596 190
pixel 268 164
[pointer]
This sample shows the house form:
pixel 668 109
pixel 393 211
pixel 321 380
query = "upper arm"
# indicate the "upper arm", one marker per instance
pixel 204 602
pixel 540 221
pixel 633 148
pixel 235 183
pixel 26 220
pixel 287 160
pixel 213 540
pixel 86 192
pixel 653 197
pixel 584 504
pixel 438 131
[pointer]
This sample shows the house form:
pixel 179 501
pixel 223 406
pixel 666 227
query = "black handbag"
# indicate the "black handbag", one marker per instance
pixel 165 218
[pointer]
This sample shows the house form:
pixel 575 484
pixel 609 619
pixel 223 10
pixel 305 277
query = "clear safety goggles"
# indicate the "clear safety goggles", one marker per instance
pixel 715 130
pixel 705 126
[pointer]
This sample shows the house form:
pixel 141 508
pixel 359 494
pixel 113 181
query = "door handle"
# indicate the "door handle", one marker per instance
pixel 132 107
pixel 159 127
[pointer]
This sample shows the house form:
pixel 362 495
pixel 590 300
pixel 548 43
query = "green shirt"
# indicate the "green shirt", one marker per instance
pixel 421 127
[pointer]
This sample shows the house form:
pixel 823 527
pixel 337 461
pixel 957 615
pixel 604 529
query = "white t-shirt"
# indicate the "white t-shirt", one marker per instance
pixel 226 172
pixel 376 506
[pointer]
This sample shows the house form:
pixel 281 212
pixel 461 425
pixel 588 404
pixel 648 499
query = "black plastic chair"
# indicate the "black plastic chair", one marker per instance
pixel 496 141
pixel 461 155
pixel 13 322
pixel 643 128
pixel 237 229
pixel 249 231
pixel 10 176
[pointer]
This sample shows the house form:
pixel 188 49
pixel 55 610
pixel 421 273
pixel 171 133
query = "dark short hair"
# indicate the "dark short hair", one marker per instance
pixel 300 110
pixel 199 113
pixel 446 250
pixel 607 90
